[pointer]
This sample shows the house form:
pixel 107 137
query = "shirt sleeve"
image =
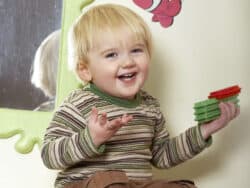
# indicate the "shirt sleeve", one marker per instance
pixel 67 140
pixel 168 152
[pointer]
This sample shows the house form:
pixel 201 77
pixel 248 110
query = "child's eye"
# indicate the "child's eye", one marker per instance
pixel 137 50
pixel 111 55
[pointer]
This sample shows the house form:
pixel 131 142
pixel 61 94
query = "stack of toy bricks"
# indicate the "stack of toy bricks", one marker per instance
pixel 208 110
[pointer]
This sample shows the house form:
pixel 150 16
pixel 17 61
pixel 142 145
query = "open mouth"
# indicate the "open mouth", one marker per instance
pixel 127 76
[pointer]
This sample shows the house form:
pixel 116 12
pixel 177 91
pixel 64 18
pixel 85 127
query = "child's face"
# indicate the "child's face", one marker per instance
pixel 118 63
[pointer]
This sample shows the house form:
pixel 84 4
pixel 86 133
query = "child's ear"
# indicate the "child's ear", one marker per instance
pixel 84 72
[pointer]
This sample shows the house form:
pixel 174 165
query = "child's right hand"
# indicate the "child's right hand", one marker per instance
pixel 229 111
pixel 101 129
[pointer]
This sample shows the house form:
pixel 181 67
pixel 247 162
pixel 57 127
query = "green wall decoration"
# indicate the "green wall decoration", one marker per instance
pixel 31 125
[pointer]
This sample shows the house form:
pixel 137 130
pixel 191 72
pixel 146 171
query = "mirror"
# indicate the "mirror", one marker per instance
pixel 25 24
pixel 31 125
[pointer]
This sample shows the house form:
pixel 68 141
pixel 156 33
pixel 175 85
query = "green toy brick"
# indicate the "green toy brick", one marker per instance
pixel 205 103
pixel 207 115
pixel 208 120
pixel 206 109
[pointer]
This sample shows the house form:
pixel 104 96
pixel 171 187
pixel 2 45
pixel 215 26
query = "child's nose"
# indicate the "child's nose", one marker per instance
pixel 128 62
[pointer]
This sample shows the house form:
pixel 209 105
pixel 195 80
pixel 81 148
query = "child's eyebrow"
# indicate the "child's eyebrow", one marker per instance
pixel 140 44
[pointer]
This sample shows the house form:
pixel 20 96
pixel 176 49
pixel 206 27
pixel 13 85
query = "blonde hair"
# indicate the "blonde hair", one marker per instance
pixel 101 18
pixel 44 69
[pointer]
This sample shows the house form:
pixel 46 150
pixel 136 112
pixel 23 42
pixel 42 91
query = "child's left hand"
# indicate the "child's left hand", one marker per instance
pixel 228 112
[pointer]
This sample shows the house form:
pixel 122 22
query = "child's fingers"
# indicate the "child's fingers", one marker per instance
pixel 224 117
pixel 233 109
pixel 114 124
pixel 236 111
pixel 228 111
pixel 94 115
pixel 103 119
pixel 118 122
pixel 126 118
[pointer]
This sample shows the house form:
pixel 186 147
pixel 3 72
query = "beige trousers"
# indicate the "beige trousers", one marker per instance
pixel 118 179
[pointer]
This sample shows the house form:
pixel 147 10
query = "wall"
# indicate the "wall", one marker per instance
pixel 207 48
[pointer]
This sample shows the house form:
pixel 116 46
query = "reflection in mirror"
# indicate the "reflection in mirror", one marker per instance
pixel 25 26
pixel 44 69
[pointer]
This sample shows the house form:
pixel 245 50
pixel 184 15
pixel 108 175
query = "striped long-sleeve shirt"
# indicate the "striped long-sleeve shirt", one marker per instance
pixel 142 142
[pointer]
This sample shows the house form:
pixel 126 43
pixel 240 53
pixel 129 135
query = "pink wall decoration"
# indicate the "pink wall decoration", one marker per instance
pixel 163 11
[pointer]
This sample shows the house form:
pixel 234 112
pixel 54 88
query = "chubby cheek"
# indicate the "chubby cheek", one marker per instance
pixel 145 71
pixel 105 78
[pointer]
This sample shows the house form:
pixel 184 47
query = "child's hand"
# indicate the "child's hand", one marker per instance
pixel 101 129
pixel 228 112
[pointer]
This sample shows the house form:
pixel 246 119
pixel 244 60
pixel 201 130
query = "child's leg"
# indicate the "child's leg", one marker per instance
pixel 103 179
pixel 118 179
pixel 167 184
pixel 162 184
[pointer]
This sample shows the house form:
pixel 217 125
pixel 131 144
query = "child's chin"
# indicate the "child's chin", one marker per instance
pixel 130 92
pixel 129 97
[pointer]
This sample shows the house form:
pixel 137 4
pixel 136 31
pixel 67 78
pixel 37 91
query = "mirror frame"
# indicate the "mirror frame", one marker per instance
pixel 31 125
